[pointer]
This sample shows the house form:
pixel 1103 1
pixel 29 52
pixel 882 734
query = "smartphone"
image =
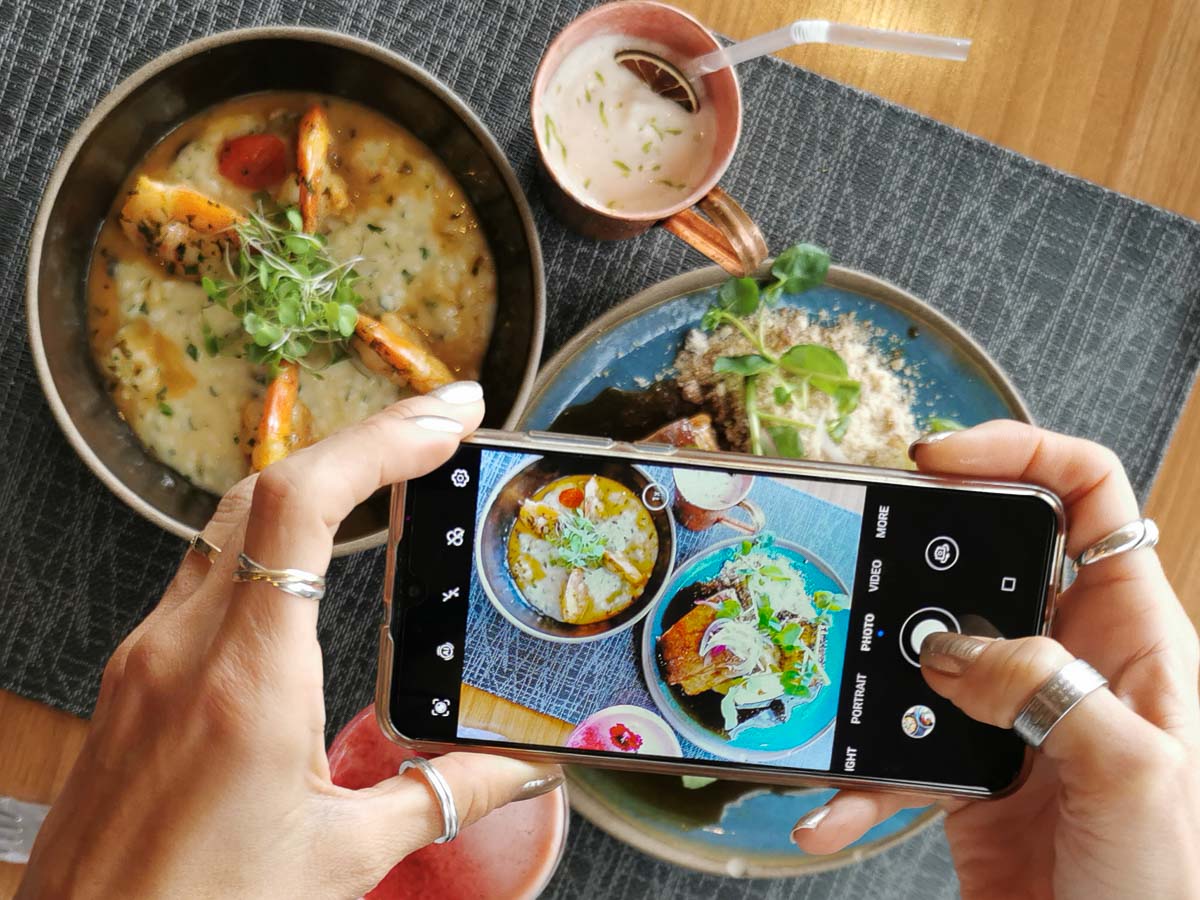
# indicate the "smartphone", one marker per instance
pixel 643 607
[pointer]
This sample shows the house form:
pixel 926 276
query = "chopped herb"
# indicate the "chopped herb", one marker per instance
pixel 620 165
pixel 646 146
pixel 552 135
pixel 673 130
pixel 603 117
pixel 599 77
pixel 192 351
pixel 587 182
pixel 782 395
pixel 424 253
pixel 374 228
pixel 666 182
pixel 165 409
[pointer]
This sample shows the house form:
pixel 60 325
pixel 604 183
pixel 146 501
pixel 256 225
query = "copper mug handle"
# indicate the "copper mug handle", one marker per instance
pixel 728 236
pixel 757 522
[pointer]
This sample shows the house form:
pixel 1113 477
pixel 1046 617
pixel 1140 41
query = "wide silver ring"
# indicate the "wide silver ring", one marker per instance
pixel 200 545
pixel 1057 696
pixel 441 790
pixel 1137 535
pixel 296 582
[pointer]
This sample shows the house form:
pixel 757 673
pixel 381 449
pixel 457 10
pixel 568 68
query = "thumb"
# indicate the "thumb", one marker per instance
pixel 992 680
pixel 402 813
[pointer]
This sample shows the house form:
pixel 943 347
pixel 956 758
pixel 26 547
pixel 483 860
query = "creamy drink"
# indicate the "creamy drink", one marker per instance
pixel 613 141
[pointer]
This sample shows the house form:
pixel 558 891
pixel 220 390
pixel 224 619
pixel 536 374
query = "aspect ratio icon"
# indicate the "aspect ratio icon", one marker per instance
pixel 941 553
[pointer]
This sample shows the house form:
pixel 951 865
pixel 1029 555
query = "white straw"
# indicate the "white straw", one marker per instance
pixel 821 31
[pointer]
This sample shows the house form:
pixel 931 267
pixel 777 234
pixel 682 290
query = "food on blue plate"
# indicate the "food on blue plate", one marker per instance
pixel 278 267
pixel 754 635
pixel 694 432
pixel 781 381
pixel 582 549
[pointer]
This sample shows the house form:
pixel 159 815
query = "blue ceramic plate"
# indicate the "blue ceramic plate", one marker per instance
pixel 635 343
pixel 806 721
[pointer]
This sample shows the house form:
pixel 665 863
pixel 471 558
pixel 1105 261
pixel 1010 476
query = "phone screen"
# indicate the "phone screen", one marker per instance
pixel 676 611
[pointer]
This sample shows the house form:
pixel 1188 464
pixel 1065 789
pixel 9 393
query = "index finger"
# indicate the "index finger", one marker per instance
pixel 1088 477
pixel 300 501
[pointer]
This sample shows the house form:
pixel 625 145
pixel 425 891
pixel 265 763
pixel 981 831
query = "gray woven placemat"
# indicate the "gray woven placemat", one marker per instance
pixel 1091 301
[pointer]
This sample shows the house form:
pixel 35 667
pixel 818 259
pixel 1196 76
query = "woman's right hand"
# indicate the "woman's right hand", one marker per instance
pixel 1111 808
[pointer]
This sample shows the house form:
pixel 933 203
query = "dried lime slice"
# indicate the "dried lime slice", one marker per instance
pixel 661 77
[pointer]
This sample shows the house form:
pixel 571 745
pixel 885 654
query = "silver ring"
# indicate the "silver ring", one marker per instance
pixel 296 582
pixel 1057 696
pixel 1135 536
pixel 441 790
pixel 201 545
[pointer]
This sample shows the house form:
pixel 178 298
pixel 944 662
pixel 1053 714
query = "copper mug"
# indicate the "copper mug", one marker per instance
pixel 727 236
pixel 702 510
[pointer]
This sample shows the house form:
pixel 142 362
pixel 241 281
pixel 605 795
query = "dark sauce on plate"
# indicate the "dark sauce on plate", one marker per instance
pixel 626 415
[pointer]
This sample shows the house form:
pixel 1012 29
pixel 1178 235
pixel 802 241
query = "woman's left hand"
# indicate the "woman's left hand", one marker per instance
pixel 204 773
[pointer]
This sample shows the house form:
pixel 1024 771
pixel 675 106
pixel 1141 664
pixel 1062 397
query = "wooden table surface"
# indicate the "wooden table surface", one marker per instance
pixel 1105 89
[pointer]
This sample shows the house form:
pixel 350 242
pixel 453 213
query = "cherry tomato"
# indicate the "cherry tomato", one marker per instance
pixel 254 161
pixel 571 498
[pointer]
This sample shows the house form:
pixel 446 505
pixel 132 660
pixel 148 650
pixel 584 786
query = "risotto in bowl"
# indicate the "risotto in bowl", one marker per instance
pixel 260 239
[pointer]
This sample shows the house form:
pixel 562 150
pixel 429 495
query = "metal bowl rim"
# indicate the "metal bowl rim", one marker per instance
pixel 152 70
pixel 489 592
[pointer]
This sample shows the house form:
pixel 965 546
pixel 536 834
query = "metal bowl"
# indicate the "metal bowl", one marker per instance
pixel 491 547
pixel 148 105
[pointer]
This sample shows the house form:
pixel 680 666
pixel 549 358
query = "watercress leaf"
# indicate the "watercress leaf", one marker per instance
pixel 836 428
pixel 846 395
pixel 214 290
pixel 332 312
pixel 297 245
pixel 347 317
pixel 294 220
pixel 801 267
pixel 787 441
pixel 813 359
pixel 750 364
pixel 739 296
pixel 267 334
pixel 712 318
pixel 770 296
pixel 289 312
pixel 936 423
pixel 782 395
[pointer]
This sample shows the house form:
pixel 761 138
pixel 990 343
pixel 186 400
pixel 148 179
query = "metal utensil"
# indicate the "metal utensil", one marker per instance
pixel 19 824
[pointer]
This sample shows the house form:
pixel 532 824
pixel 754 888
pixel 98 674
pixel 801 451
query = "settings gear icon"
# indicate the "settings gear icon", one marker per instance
pixel 454 537
pixel 459 478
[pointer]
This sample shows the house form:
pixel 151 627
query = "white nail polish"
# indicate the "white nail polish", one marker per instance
pixel 437 423
pixel 931 437
pixel 458 392
pixel 812 820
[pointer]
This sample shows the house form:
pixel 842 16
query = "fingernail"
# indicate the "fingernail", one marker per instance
pixel 458 392
pixel 443 424
pixel 951 653
pixel 539 786
pixel 812 820
pixel 929 437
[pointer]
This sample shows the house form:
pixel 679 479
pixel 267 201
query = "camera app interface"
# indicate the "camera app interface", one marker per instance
pixel 600 605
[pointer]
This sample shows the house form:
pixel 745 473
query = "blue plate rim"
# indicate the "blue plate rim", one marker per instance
pixel 869 286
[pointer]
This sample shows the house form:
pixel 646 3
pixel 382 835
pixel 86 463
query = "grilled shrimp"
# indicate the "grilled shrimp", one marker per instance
pixel 284 424
pixel 312 164
pixel 390 345
pixel 184 230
